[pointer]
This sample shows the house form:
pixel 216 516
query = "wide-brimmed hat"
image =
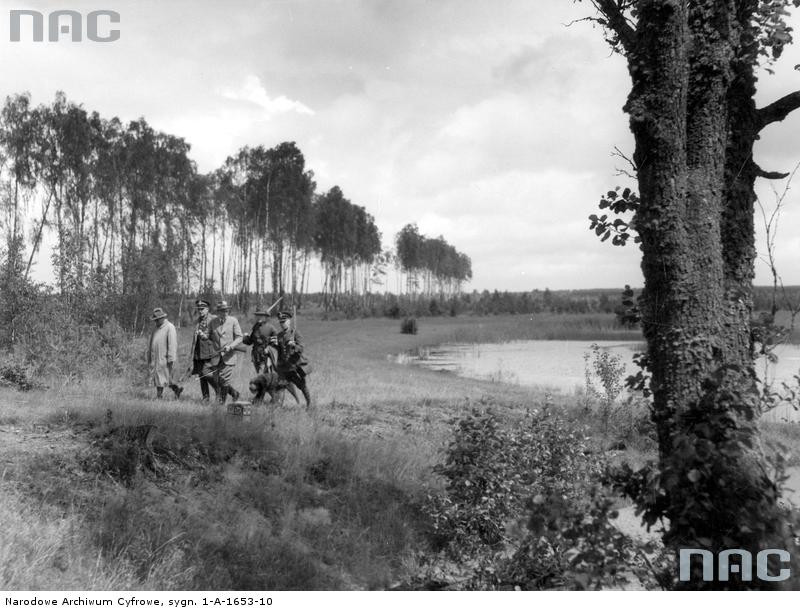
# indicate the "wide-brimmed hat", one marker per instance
pixel 200 304
pixel 285 315
pixel 158 313
pixel 223 305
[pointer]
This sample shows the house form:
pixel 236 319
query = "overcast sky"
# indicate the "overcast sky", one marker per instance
pixel 489 122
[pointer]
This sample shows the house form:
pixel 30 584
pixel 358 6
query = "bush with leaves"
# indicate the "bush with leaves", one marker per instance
pixel 523 508
pixel 69 337
pixel 14 374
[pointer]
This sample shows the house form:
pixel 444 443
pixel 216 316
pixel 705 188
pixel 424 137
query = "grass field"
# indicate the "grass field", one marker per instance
pixel 287 500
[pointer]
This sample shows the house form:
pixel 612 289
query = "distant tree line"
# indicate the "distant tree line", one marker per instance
pixel 131 220
pixel 431 264
pixel 483 303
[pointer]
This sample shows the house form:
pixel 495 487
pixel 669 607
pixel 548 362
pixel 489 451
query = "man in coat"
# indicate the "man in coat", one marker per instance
pixel 226 334
pixel 161 354
pixel 292 364
pixel 203 351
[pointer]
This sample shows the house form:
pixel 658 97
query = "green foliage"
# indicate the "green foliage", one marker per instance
pixel 605 382
pixel 628 315
pixel 522 508
pixel 721 497
pixel 619 203
pixel 16 375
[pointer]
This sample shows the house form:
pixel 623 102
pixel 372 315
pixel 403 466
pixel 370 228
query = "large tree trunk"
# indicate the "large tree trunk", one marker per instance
pixel 694 123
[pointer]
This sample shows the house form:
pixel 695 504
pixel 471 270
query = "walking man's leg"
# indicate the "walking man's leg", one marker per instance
pixel 207 378
pixel 299 379
pixel 224 377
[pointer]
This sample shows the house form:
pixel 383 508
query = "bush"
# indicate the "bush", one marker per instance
pixel 522 508
pixel 69 336
pixel 409 326
pixel 16 375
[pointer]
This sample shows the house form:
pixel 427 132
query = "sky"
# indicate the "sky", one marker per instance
pixel 490 123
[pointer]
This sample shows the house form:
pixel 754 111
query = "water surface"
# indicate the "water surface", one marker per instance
pixel 560 365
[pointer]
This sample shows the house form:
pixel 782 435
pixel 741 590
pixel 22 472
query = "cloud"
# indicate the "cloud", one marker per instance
pixel 490 123
pixel 254 92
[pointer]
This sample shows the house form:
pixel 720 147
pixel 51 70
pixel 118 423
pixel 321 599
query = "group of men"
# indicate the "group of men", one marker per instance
pixel 277 354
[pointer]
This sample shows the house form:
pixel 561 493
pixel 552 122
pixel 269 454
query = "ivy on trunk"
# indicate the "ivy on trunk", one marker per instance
pixel 692 112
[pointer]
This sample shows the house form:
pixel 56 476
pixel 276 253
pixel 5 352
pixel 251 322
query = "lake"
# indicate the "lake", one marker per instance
pixel 560 366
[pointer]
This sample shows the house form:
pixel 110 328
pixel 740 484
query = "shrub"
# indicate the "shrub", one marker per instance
pixel 16 375
pixel 600 366
pixel 522 507
pixel 409 326
pixel 491 472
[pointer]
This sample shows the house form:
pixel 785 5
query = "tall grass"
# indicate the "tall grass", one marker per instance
pixel 284 501
pixel 544 327
pixel 42 549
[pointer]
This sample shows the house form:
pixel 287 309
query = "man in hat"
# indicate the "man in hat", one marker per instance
pixel 292 364
pixel 263 353
pixel 162 352
pixel 203 350
pixel 226 334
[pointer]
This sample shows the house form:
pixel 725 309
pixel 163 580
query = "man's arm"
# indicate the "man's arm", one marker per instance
pixel 237 335
pixel 172 344
pixel 150 349
pixel 296 343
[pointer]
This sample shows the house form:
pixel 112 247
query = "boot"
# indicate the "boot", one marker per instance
pixel 177 390
pixel 204 389
pixel 222 395
pixel 306 396
pixel 293 392
pixel 234 393
pixel 159 392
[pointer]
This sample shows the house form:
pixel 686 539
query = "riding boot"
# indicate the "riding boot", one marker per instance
pixel 306 395
pixel 222 394
pixel 204 389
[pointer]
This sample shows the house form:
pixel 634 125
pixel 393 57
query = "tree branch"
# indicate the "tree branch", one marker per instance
pixel 617 22
pixel 770 175
pixel 778 110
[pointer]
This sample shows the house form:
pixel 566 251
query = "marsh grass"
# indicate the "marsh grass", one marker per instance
pixel 543 327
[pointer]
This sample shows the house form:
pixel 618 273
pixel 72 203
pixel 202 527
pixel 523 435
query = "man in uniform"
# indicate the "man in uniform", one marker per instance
pixel 203 351
pixel 226 334
pixel 292 364
pixel 161 354
pixel 263 353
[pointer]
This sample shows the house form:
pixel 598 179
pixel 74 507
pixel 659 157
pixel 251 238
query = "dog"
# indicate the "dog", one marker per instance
pixel 270 383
